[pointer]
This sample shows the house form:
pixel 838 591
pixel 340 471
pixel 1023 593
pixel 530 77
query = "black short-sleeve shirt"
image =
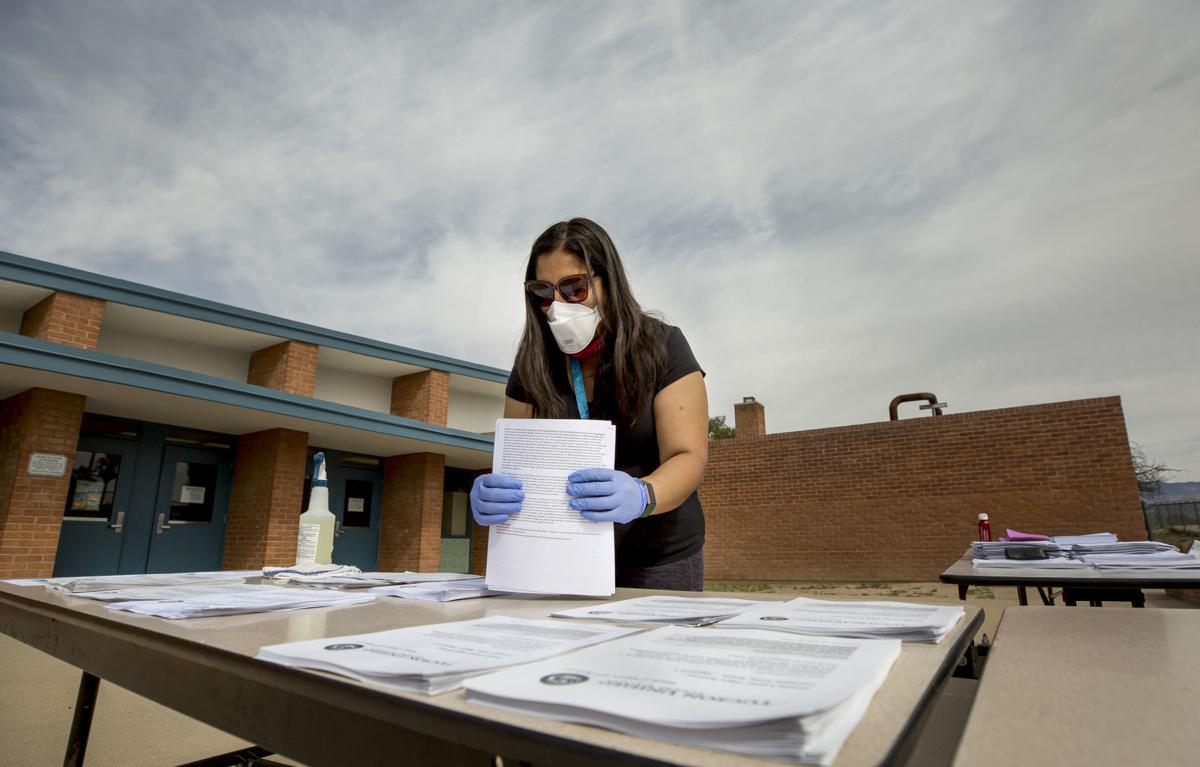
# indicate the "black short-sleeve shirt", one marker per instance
pixel 667 536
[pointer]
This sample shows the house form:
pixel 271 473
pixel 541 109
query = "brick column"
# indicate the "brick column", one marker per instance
pixel 290 366
pixel 750 419
pixel 423 396
pixel 31 507
pixel 410 529
pixel 266 501
pixel 65 318
pixel 479 547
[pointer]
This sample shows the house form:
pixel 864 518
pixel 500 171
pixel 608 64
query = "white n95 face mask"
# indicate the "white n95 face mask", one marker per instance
pixel 573 325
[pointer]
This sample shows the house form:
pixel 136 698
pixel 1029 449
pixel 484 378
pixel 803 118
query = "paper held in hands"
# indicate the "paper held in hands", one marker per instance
pixel 548 548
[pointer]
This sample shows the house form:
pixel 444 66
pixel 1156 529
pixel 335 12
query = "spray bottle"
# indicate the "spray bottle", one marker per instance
pixel 985 527
pixel 315 543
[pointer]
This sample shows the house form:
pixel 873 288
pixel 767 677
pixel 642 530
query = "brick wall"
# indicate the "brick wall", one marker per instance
pixel 410 525
pixel 290 366
pixel 265 504
pixel 423 396
pixel 31 507
pixel 899 500
pixel 65 318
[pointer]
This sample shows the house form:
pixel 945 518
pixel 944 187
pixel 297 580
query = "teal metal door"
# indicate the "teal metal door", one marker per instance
pixel 98 502
pixel 189 513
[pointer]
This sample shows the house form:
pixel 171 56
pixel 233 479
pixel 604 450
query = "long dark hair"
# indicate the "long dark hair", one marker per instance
pixel 634 347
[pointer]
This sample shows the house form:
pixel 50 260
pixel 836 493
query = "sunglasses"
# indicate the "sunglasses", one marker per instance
pixel 573 288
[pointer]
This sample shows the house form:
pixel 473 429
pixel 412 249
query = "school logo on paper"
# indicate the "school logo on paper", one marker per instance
pixel 561 679
pixel 772 618
pixel 342 646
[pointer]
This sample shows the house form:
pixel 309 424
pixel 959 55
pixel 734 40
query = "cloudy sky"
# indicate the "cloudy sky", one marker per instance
pixel 837 202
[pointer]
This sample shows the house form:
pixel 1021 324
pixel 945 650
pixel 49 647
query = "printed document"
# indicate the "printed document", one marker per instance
pixel 452 591
pixel 437 657
pixel 847 618
pixel 80 584
pixel 203 601
pixel 548 548
pixel 686 611
pixel 743 690
pixel 367 580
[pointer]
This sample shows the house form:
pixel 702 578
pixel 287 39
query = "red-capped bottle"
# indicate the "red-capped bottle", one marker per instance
pixel 985 527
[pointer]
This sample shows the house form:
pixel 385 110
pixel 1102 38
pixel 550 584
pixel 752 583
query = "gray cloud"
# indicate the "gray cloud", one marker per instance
pixel 838 202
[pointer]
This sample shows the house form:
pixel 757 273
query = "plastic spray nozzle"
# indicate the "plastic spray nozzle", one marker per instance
pixel 319 470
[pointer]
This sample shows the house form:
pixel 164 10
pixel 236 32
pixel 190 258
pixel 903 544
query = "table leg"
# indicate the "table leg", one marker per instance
pixel 962 591
pixel 81 724
pixel 1022 597
pixel 1047 596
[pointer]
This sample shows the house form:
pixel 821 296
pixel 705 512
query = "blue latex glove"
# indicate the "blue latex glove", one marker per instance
pixel 494 497
pixel 606 495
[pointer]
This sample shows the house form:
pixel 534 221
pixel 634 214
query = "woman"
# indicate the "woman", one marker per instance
pixel 590 351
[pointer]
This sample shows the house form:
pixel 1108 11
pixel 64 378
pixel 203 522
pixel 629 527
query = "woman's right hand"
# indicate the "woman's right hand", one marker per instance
pixel 494 497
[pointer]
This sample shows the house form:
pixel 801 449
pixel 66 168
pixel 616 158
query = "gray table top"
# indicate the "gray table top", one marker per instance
pixel 204 667
pixel 1082 686
pixel 963 571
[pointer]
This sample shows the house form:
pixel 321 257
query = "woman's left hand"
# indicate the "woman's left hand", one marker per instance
pixel 606 495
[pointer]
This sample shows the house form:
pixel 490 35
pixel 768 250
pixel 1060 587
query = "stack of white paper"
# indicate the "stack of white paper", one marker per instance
pixel 203 601
pixel 685 611
pixel 1122 547
pixel 440 591
pixel 88 583
pixel 438 657
pixel 1087 539
pixel 1052 563
pixel 368 580
pixel 752 692
pixel 996 549
pixel 828 617
pixel 1159 560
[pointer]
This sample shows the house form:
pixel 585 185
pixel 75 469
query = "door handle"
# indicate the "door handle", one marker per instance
pixel 118 525
pixel 161 525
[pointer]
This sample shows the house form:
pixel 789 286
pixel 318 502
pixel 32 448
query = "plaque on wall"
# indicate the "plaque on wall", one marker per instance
pixel 47 465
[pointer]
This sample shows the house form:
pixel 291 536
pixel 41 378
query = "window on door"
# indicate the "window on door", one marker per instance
pixel 192 493
pixel 93 486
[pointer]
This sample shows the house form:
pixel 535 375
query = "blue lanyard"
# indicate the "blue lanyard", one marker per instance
pixel 580 394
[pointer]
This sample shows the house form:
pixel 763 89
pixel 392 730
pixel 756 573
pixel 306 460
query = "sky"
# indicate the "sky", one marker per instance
pixel 837 202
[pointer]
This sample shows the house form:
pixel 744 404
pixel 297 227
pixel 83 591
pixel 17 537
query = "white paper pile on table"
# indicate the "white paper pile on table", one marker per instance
pixel 369 580
pixel 1122 547
pixel 471 587
pixel 1053 562
pixel 1087 539
pixel 205 601
pixel 743 690
pixel 828 617
pixel 1159 560
pixel 438 657
pixel 684 611
pixel 81 584
pixel 1077 552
